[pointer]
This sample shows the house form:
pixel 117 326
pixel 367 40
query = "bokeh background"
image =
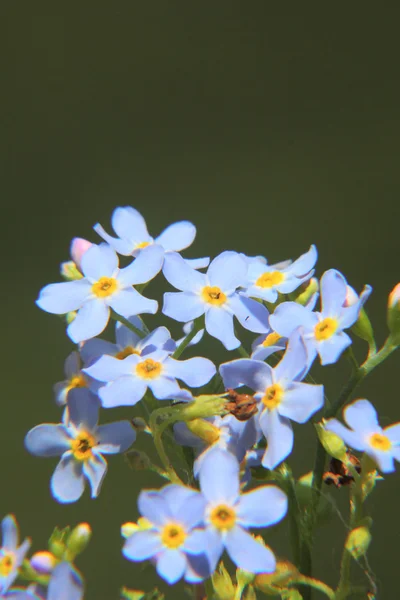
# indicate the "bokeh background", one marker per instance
pixel 269 125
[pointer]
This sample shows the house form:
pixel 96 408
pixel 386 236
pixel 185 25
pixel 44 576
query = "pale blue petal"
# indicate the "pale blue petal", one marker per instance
pixel 384 460
pixel 95 470
pixel 180 275
pixel 184 437
pixel 118 437
pixel 61 298
pixel 333 293
pixel 197 568
pixel 290 315
pixel 65 583
pixel 194 371
pixel 294 362
pixel 164 387
pixel 67 482
pixel 300 401
pixel 128 223
pixel 228 271
pixel 9 532
pixel 157 339
pixel 393 433
pixel 350 438
pixel 83 408
pixel 18 594
pixel 186 505
pixel 262 507
pixel 349 315
pixel 183 306
pixel 279 434
pixel 196 542
pixel 126 337
pixel 142 545
pixel 154 507
pixel 99 261
pixel 129 302
pixel 95 348
pixel 247 553
pixel 330 350
pixel 395 451
pixel 219 476
pixel 22 550
pixel 125 247
pixel 362 417
pixel 262 352
pixel 61 389
pixel 125 391
pixel 198 263
pixel 171 565
pixel 177 236
pixel 219 324
pixel 144 268
pixel 214 548
pixel 252 315
pixel 267 294
pixel 305 263
pixel 72 364
pixel 256 374
pixel 90 321
pixel 108 368
pixel 48 440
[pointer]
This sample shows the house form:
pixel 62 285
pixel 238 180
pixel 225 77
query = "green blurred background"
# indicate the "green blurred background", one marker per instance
pixel 270 126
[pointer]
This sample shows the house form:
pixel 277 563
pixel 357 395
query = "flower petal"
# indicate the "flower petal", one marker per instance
pixel 61 298
pixel 65 583
pixel 124 247
pixel 164 387
pixel 195 372
pixel 128 223
pixel 301 400
pixel 129 302
pixel 305 263
pixel 393 433
pixel 361 416
pixel 48 440
pixel 247 553
pixel 154 507
pixel 262 507
pixel 144 268
pixel 198 263
pixel 228 271
pixel 182 306
pixel 118 437
pixel 329 350
pixel 179 274
pixel 333 292
pixel 351 438
pixel 83 408
pixel 99 261
pixel 90 321
pixel 67 482
pixel 177 236
pixel 142 545
pixel 126 337
pixel 108 368
pixel 294 362
pixel 384 460
pixel 95 470
pixel 219 324
pixel 219 476
pixel 186 505
pixel 279 434
pixel 94 348
pixel 171 565
pixel 252 315
pixel 9 531
pixel 255 374
pixel 125 391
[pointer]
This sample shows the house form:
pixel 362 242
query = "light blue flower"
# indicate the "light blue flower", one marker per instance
pixel 103 286
pixel 228 514
pixel 265 345
pixel 74 377
pixel 11 554
pixel 281 396
pixel 128 379
pixel 172 540
pixel 366 435
pixel 322 331
pixel 131 229
pixel 266 281
pixel 81 444
pixel 65 584
pixel 215 294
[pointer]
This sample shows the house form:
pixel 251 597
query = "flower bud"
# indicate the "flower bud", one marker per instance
pixel 393 314
pixel 70 271
pixel 137 460
pixel 78 539
pixel 204 430
pixel 78 248
pixel 332 443
pixel 304 293
pixel 43 562
pixel 362 328
pixel 283 575
pixel 222 584
pixel 358 541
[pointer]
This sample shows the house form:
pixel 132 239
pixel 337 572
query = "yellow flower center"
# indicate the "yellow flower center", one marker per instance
pixel 7 562
pixel 271 339
pixel 223 517
pixel 380 442
pixel 148 369
pixel 141 245
pixel 273 396
pixel 173 535
pixel 325 329
pixel 104 287
pixel 77 381
pixel 270 278
pixel 126 352
pixel 213 295
pixel 82 445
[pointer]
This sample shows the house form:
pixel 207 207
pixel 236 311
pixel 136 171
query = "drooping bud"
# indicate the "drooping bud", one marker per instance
pixel 358 541
pixel 78 248
pixel 78 540
pixel 43 562
pixel 393 314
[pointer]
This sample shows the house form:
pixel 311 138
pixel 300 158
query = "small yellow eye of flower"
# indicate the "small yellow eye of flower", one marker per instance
pixel 213 295
pixel 104 287
pixel 142 245
pixel 271 339
pixel 273 396
pixel 173 535
pixel 82 445
pixel 148 369
pixel 325 329
pixel 126 352
pixel 380 442
pixel 223 517
pixel 77 381
pixel 7 562
pixel 270 278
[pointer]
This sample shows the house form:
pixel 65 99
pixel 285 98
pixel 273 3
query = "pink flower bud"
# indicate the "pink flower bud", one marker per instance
pixel 78 249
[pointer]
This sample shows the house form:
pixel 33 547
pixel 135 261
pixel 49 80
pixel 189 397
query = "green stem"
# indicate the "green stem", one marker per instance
pixel 197 325
pixel 127 324
pixel 157 430
pixel 317 585
pixel 208 584
pixel 243 352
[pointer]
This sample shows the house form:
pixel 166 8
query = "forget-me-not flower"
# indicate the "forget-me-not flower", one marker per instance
pixel 104 286
pixel 11 554
pixel 171 538
pixel 322 331
pixel 74 378
pixel 281 395
pixel 366 435
pixel 128 378
pixel 215 294
pixel 81 444
pixel 265 345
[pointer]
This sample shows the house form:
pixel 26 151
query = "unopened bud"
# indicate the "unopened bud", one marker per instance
pixel 78 248
pixel 305 292
pixel 139 424
pixel 393 314
pixel 358 541
pixel 204 430
pixel 70 271
pixel 137 460
pixel 332 443
pixel 43 562
pixel 222 584
pixel 69 317
pixel 78 539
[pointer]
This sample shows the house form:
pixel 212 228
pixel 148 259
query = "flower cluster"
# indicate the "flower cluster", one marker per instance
pixel 239 428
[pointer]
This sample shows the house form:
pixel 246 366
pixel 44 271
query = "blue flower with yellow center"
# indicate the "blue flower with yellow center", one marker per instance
pixel 11 554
